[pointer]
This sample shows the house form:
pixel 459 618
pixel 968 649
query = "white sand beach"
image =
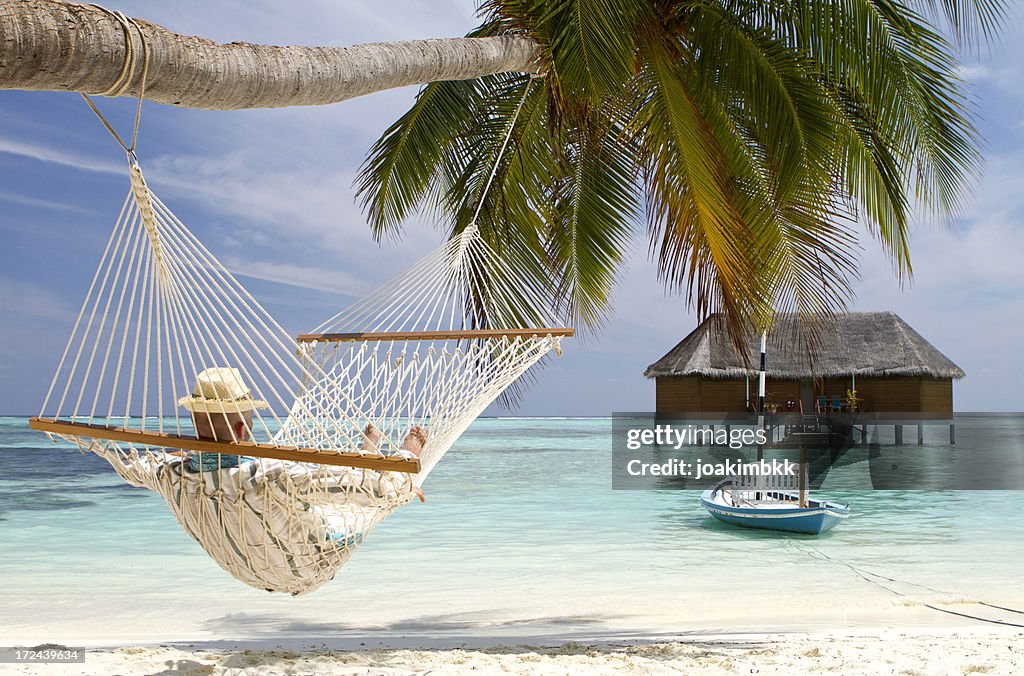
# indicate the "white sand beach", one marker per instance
pixel 958 651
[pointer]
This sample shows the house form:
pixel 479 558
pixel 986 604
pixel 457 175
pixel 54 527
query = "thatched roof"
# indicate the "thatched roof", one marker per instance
pixel 861 343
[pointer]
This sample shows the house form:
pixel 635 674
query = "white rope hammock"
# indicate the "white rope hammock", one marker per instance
pixel 432 348
pixel 409 352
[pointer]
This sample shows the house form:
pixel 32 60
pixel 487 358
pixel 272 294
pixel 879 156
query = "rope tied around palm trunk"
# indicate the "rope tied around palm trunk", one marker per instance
pixel 126 77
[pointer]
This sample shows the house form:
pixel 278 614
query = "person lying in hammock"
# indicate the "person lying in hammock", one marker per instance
pixel 275 525
pixel 221 407
pixel 413 443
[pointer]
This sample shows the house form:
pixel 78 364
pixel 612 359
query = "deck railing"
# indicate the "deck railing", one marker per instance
pixel 759 487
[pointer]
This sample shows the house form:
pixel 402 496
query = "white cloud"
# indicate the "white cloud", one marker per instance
pixel 974 72
pixel 318 22
pixel 21 299
pixel 293 224
pixel 303 202
pixel 967 295
pixel 302 276
pixel 41 203
pixel 45 153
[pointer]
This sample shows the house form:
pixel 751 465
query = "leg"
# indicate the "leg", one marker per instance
pixel 371 438
pixel 415 440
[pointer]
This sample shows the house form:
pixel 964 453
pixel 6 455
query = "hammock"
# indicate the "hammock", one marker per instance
pixel 430 349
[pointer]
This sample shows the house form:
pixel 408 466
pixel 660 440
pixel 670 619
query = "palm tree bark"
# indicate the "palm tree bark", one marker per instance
pixel 63 46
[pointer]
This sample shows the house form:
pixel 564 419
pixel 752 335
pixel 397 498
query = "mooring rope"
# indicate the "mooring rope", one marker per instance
pixel 863 574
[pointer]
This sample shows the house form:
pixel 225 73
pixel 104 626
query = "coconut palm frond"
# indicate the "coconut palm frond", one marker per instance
pixel 756 137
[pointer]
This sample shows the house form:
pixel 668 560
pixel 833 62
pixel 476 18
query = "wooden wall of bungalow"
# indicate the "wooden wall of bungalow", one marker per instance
pixel 888 394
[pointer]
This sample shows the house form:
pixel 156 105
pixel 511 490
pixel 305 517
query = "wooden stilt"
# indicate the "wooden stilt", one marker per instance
pixel 803 476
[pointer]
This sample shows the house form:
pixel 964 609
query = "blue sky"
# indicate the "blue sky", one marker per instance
pixel 270 193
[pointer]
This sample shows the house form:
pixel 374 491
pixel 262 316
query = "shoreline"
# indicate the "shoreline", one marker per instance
pixel 419 626
pixel 905 650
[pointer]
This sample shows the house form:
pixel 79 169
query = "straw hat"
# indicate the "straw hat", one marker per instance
pixel 220 390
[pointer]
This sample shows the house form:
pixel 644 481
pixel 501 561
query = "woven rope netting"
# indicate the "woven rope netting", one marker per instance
pixel 411 352
pixel 431 349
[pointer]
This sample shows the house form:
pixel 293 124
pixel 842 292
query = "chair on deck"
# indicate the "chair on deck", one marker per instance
pixel 821 405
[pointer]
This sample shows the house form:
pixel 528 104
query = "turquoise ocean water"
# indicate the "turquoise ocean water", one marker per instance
pixel 521 536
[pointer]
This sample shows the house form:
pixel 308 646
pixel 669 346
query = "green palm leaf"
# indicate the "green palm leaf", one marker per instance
pixel 754 137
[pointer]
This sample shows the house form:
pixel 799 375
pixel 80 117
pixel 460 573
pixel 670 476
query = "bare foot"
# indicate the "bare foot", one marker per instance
pixel 415 440
pixel 371 438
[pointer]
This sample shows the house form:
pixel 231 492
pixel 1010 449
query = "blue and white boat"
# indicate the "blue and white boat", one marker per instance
pixel 770 502
pixel 771 509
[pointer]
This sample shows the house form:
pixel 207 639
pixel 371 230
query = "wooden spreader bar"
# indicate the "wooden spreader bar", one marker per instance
pixel 292 453
pixel 431 335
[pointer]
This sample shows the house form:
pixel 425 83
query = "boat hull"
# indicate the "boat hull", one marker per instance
pixel 812 520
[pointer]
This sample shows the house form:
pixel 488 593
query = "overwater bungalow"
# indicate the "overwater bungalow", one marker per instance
pixel 867 361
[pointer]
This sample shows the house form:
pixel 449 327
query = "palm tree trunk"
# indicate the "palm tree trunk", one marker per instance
pixel 63 46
